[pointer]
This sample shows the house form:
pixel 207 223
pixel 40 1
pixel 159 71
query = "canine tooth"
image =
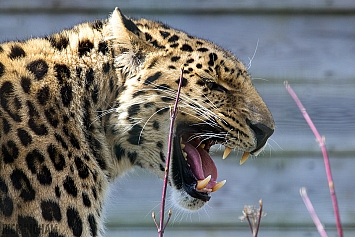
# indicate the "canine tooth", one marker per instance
pixel 184 154
pixel 203 145
pixel 244 157
pixel 182 146
pixel 219 185
pixel 226 152
pixel 203 183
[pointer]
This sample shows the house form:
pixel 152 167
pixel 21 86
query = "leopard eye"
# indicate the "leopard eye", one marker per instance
pixel 214 86
pixel 210 85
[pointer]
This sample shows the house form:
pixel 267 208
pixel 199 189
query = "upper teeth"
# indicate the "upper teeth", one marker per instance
pixel 244 157
pixel 226 152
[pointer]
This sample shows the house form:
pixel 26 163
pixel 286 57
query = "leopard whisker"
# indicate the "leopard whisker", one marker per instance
pixel 187 100
pixel 130 126
pixel 207 122
pixel 252 58
pixel 145 124
pixel 103 113
pixel 204 112
pixel 207 135
pixel 212 104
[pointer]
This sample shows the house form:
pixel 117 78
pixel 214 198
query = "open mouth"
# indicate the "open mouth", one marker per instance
pixel 193 169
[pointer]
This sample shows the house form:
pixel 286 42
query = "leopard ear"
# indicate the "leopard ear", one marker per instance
pixel 122 30
pixel 127 41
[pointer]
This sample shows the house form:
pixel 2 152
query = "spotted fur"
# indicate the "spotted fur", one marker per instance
pixel 81 107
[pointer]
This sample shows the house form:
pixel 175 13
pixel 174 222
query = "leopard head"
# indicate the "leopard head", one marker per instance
pixel 218 105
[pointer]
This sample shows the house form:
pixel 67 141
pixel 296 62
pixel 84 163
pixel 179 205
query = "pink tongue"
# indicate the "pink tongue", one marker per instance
pixel 201 164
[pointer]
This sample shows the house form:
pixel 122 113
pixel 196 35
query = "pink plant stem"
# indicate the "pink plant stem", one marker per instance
pixel 173 114
pixel 312 212
pixel 325 156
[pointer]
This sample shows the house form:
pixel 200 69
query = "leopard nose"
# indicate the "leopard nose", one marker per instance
pixel 262 133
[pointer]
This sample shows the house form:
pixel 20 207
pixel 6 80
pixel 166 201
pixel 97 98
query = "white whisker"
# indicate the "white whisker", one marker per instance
pixel 259 78
pixel 140 134
pixel 252 58
pixel 270 139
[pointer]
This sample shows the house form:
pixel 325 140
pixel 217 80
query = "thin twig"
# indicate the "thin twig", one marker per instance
pixel 321 142
pixel 312 212
pixel 253 216
pixel 155 221
pixel 249 222
pixel 169 216
pixel 259 218
pixel 173 114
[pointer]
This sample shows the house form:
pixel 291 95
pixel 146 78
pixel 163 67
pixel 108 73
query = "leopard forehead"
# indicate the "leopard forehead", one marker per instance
pixel 191 52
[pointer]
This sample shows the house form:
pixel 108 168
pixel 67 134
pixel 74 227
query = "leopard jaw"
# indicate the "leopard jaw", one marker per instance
pixel 202 183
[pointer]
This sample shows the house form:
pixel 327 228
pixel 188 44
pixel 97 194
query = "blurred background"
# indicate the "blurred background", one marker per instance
pixel 309 43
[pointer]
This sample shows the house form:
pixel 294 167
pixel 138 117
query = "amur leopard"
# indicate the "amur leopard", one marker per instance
pixel 80 107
